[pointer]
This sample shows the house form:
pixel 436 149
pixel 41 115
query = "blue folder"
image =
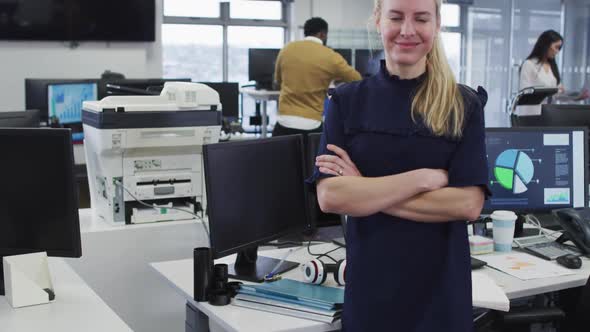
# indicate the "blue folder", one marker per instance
pixel 304 302
pixel 298 290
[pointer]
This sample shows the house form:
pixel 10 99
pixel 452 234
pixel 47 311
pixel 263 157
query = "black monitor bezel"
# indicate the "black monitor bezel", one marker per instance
pixel 252 52
pixel 306 224
pixel 346 53
pixel 72 214
pixel 32 116
pixel 562 111
pixel 227 112
pixel 546 129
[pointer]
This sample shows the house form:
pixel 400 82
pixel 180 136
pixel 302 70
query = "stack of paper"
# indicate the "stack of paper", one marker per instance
pixel 293 298
pixel 525 266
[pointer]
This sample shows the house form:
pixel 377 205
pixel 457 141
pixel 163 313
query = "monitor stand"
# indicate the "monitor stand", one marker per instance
pixel 251 267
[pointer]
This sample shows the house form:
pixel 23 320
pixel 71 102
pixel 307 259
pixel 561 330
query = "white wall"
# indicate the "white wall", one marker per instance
pixel 340 14
pixel 20 60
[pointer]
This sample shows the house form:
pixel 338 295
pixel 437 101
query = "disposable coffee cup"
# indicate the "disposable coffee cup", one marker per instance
pixel 503 225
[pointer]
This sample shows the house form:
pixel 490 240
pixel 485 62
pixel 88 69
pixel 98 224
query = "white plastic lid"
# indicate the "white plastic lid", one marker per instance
pixel 504 215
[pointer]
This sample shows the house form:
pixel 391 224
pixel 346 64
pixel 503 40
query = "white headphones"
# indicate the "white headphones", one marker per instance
pixel 316 271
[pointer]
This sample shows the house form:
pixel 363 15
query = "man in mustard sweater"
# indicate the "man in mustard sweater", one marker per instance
pixel 304 70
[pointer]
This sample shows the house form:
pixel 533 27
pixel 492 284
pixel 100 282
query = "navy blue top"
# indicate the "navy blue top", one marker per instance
pixel 401 274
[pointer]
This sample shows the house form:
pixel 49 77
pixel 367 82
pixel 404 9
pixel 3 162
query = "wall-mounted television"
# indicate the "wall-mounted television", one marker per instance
pixel 80 20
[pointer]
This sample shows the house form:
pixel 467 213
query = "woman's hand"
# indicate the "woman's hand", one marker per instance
pixel 434 178
pixel 339 165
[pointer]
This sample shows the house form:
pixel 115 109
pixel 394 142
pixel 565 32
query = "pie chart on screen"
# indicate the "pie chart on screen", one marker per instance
pixel 514 170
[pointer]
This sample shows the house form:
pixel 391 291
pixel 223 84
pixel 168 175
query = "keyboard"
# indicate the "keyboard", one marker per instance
pixel 526 241
pixel 550 250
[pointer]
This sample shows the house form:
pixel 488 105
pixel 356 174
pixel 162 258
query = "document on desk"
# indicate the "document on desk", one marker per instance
pixel 485 293
pixel 524 266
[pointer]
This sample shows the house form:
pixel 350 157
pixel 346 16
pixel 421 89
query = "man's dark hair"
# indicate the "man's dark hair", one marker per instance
pixel 315 25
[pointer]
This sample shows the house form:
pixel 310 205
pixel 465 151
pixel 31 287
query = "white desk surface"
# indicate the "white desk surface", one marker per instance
pixel 180 275
pixel 89 223
pixel 261 94
pixel 516 288
pixel 231 318
pixel 76 308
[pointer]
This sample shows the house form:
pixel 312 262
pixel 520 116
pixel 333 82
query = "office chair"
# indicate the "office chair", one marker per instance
pixel 567 317
pixel 528 96
pixel 521 319
pixel 578 315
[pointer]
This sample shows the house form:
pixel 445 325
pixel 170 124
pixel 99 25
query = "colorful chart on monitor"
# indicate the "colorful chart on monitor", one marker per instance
pixel 514 170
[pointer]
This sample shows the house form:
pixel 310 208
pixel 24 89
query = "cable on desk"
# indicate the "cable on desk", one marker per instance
pixel 156 207
pixel 284 244
pixel 271 276
pixel 326 254
pixel 532 220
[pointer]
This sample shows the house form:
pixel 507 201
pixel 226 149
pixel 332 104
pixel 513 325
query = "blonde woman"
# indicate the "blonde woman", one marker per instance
pixel 403 155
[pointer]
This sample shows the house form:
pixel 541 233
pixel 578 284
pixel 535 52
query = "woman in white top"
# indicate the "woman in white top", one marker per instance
pixel 540 70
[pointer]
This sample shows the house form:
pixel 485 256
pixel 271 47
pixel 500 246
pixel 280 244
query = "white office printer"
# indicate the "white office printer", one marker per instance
pixel 149 149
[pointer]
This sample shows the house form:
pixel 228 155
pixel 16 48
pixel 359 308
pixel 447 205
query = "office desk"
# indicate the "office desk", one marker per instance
pixel 516 288
pixel 263 96
pixel 76 308
pixel 232 318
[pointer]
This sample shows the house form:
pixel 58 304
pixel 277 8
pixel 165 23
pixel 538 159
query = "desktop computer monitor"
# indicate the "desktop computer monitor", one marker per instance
pixel 65 100
pixel 346 54
pixel 38 197
pixel 368 62
pixel 229 96
pixel 255 194
pixel 557 115
pixel 560 115
pixel 536 169
pixel 20 119
pixel 261 66
pixel 36 94
pixel 64 104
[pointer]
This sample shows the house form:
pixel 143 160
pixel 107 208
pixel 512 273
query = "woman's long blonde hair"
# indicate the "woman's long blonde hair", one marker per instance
pixel 438 101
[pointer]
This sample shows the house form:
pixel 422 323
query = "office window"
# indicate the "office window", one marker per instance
pixel 488 49
pixel 240 39
pixel 260 10
pixel 452 44
pixel 194 8
pixel 450 15
pixel 193 51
